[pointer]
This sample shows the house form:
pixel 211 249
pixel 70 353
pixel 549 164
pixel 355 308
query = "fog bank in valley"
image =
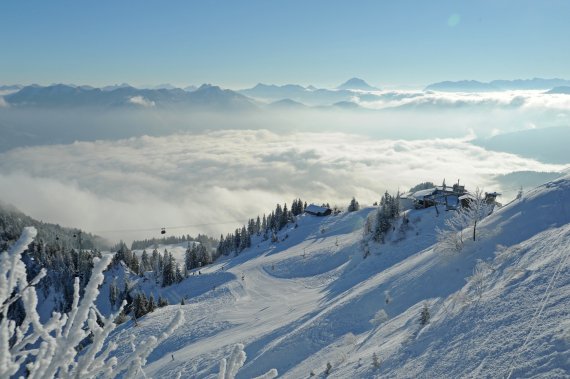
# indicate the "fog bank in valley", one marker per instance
pixel 223 177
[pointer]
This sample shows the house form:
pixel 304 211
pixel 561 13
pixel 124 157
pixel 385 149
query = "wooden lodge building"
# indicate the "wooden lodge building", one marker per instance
pixel 451 197
pixel 316 210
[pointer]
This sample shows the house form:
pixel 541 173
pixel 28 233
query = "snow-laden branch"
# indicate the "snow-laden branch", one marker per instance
pixel 230 367
pixel 53 349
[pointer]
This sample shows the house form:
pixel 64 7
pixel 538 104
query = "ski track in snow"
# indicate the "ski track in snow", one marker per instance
pixel 309 298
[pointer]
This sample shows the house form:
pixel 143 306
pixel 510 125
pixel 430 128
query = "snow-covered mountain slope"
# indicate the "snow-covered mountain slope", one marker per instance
pixel 500 308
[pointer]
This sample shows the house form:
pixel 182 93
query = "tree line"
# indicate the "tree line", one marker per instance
pixel 266 226
pixel 171 240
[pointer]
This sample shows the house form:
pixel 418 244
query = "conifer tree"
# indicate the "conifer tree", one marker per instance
pixel 169 270
pixel 424 315
pixel 113 294
pixel 375 360
pixel 145 262
pixel 162 302
pixel 178 274
pixel 353 206
pixel 139 305
pixel 284 220
pixel 151 303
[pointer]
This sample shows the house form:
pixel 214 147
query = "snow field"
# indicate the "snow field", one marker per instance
pixel 310 298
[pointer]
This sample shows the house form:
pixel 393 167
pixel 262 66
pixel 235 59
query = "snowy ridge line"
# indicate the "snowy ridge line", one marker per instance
pixel 537 314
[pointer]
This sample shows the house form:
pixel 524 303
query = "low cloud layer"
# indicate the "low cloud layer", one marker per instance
pixel 221 177
pixel 524 100
pixel 140 100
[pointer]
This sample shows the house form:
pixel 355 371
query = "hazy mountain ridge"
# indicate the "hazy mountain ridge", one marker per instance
pixel 66 96
pixel 497 85
pixel 13 221
pixel 308 96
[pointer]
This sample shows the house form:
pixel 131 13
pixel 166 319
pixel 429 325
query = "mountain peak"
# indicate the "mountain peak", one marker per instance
pixel 356 83
pixel 208 87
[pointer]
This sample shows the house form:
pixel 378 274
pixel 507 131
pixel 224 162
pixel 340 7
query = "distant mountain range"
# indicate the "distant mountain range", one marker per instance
pixel 123 95
pixel 308 95
pixel 165 96
pixel 311 97
pixel 14 87
pixel 286 104
pixel 497 85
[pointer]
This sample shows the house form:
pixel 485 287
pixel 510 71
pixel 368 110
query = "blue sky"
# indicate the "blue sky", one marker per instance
pixel 239 43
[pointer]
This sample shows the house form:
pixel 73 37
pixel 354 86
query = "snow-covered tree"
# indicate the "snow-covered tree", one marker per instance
pixel 230 367
pixel 477 210
pixel 113 293
pixel 151 303
pixel 140 305
pixel 51 349
pixel 169 270
pixel 375 360
pixel 388 211
pixel 145 262
pixel 452 237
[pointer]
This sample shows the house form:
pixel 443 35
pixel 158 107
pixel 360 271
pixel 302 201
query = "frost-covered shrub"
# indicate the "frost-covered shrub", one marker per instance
pixel 230 367
pixel 477 280
pixel 451 238
pixel 52 349
pixel 379 318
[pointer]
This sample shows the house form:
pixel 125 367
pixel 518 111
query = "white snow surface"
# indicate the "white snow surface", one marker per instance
pixel 310 298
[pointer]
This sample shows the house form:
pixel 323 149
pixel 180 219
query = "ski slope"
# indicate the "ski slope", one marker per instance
pixel 309 299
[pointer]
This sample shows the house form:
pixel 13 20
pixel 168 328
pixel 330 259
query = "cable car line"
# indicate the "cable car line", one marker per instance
pixel 163 229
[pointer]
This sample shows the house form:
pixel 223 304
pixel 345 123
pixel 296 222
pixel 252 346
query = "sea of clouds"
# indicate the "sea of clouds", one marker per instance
pixel 146 168
pixel 221 178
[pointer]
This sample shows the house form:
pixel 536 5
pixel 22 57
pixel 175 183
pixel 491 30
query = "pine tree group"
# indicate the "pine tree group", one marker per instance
pixel 266 226
pixel 388 211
